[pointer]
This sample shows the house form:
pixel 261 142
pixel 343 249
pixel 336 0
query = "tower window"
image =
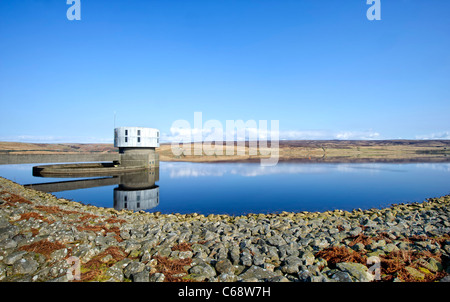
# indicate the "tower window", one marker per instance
pixel 126 132
pixel 139 139
pixel 126 139
pixel 139 132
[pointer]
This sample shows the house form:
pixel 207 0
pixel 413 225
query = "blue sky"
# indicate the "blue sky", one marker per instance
pixel 319 67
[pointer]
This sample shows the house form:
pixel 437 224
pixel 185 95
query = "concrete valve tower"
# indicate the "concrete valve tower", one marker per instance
pixel 137 146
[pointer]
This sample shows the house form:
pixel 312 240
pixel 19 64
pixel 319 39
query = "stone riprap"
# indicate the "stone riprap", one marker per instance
pixel 43 238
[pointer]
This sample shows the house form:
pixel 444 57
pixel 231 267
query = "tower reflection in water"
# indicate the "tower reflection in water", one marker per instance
pixel 136 191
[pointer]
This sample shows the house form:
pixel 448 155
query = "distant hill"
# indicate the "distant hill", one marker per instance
pixel 292 150
pixel 33 148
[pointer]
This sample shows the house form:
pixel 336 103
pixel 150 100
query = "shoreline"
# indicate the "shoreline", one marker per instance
pixel 40 233
pixel 308 151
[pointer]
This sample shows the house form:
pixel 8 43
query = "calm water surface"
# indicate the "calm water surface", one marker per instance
pixel 240 188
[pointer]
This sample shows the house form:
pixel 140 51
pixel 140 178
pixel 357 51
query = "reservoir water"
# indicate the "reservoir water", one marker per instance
pixel 241 188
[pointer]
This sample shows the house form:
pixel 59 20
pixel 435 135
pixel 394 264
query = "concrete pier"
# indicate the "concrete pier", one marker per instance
pixel 11 159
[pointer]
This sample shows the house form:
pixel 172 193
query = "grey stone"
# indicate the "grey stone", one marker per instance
pixel 202 271
pixel 291 265
pixel 143 276
pixel 115 273
pixel 2 271
pixel 246 259
pixel 257 272
pixel 390 247
pixel 132 268
pixel 58 254
pixel 276 240
pixel 342 277
pixel 278 279
pixel 355 231
pixel 132 245
pixel 157 277
pixel 305 276
pixel 185 255
pixel 258 260
pixel 359 271
pixel 8 243
pixel 25 266
pixel 85 252
pixel 308 258
pixel 13 257
pixel 445 279
pixel 125 234
pixel 226 277
pixel 62 278
pixel 290 249
pixel 224 266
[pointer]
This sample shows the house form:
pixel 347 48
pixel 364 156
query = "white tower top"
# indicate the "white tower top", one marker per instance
pixel 136 137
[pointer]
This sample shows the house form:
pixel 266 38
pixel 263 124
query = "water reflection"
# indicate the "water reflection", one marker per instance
pixel 135 191
pixel 189 170
pixel 241 188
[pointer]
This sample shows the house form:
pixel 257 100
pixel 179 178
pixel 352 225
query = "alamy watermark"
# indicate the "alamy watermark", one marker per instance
pixel 74 11
pixel 375 268
pixel 374 11
pixel 212 139
pixel 73 273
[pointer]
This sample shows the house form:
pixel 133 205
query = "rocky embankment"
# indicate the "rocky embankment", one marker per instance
pixel 43 238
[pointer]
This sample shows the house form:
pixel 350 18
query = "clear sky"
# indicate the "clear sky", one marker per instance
pixel 320 67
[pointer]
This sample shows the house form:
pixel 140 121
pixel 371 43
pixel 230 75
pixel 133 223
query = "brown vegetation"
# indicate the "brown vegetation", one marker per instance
pixel 399 264
pixel 26 216
pixel 396 264
pixel 173 269
pixel 94 268
pixel 337 254
pixel 54 210
pixel 43 247
pixel 12 199
pixel 182 247
pixel 101 229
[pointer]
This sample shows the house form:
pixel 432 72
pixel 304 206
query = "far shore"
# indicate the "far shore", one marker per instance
pixel 300 151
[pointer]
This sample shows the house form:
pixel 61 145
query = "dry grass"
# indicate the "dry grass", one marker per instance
pixel 336 254
pixel 171 268
pixel 182 247
pixel 54 210
pixel 116 253
pixel 395 263
pixel 43 247
pixel 87 217
pixel 101 229
pixel 37 216
pixel 13 199
pixel 94 268
pixel 115 220
pixel 361 238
